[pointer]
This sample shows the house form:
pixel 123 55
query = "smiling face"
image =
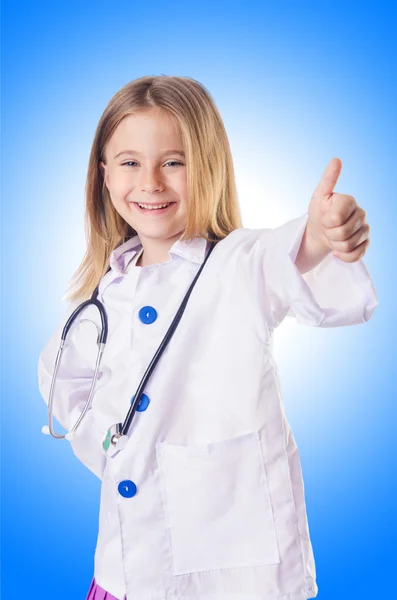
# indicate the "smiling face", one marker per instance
pixel 145 164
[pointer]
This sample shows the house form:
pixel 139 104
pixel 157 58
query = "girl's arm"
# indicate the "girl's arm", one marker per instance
pixel 310 253
pixel 332 293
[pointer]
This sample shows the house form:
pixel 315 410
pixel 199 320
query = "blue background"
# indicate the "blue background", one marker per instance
pixel 297 83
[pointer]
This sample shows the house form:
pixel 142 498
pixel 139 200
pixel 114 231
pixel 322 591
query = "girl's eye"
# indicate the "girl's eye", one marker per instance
pixel 175 162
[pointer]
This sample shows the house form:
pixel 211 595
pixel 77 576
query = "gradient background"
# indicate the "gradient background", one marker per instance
pixel 297 83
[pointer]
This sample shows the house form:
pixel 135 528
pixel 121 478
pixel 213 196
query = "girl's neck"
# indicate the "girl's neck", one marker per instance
pixel 156 250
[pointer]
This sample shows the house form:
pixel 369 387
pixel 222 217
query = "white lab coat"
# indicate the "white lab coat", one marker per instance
pixel 219 510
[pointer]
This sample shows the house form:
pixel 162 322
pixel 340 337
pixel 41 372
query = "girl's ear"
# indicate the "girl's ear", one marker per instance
pixel 103 168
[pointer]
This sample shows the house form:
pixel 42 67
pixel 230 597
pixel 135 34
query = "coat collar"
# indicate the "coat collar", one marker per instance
pixel 194 250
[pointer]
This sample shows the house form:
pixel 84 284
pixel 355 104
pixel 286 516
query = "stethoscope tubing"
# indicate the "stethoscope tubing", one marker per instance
pixel 121 428
pixel 171 330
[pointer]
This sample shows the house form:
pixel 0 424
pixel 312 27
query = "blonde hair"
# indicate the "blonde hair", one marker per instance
pixel 212 194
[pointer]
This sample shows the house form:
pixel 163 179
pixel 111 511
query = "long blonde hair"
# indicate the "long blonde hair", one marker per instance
pixel 212 195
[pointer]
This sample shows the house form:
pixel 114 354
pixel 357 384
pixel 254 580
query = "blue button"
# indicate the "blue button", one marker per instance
pixel 143 402
pixel 127 488
pixel 148 314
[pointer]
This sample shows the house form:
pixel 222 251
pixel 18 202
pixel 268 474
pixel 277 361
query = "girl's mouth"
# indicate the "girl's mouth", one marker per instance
pixel 154 211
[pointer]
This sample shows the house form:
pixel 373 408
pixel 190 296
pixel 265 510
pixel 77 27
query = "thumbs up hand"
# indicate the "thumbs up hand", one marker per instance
pixel 336 222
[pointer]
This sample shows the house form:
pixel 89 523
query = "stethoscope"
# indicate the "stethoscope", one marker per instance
pixel 117 434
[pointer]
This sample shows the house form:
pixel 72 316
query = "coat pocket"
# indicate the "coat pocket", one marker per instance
pixel 217 505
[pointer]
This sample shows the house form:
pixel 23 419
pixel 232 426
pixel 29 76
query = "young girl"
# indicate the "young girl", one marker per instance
pixel 202 496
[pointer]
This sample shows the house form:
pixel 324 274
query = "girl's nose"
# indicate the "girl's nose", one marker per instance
pixel 151 180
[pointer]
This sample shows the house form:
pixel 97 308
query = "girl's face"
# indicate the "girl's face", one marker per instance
pixel 146 165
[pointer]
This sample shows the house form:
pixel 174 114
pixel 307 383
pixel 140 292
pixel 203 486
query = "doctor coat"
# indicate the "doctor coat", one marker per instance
pixel 206 501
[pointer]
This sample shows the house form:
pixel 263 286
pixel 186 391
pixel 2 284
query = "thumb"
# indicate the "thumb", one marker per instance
pixel 329 178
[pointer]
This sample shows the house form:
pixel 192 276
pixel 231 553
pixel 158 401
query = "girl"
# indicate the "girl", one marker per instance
pixel 204 498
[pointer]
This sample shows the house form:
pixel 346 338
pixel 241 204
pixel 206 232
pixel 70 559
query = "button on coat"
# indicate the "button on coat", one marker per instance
pixel 206 500
pixel 127 488
pixel 148 314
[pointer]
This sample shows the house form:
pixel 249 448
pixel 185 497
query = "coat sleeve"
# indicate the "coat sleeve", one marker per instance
pixel 333 294
pixel 72 387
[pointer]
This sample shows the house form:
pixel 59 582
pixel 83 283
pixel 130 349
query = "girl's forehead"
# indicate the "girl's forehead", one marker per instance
pixel 145 133
pixel 154 121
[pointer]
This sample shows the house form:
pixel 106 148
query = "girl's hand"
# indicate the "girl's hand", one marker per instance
pixel 336 221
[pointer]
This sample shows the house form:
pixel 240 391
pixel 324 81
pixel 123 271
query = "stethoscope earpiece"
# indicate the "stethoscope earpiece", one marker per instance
pixel 68 436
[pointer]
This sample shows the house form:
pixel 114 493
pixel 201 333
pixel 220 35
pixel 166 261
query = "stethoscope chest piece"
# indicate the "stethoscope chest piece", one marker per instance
pixel 114 441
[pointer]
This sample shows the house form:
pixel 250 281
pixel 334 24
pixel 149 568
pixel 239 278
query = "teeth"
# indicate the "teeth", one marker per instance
pixel 152 207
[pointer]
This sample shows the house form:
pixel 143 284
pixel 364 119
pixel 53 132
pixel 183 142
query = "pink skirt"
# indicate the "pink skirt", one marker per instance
pixel 97 593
